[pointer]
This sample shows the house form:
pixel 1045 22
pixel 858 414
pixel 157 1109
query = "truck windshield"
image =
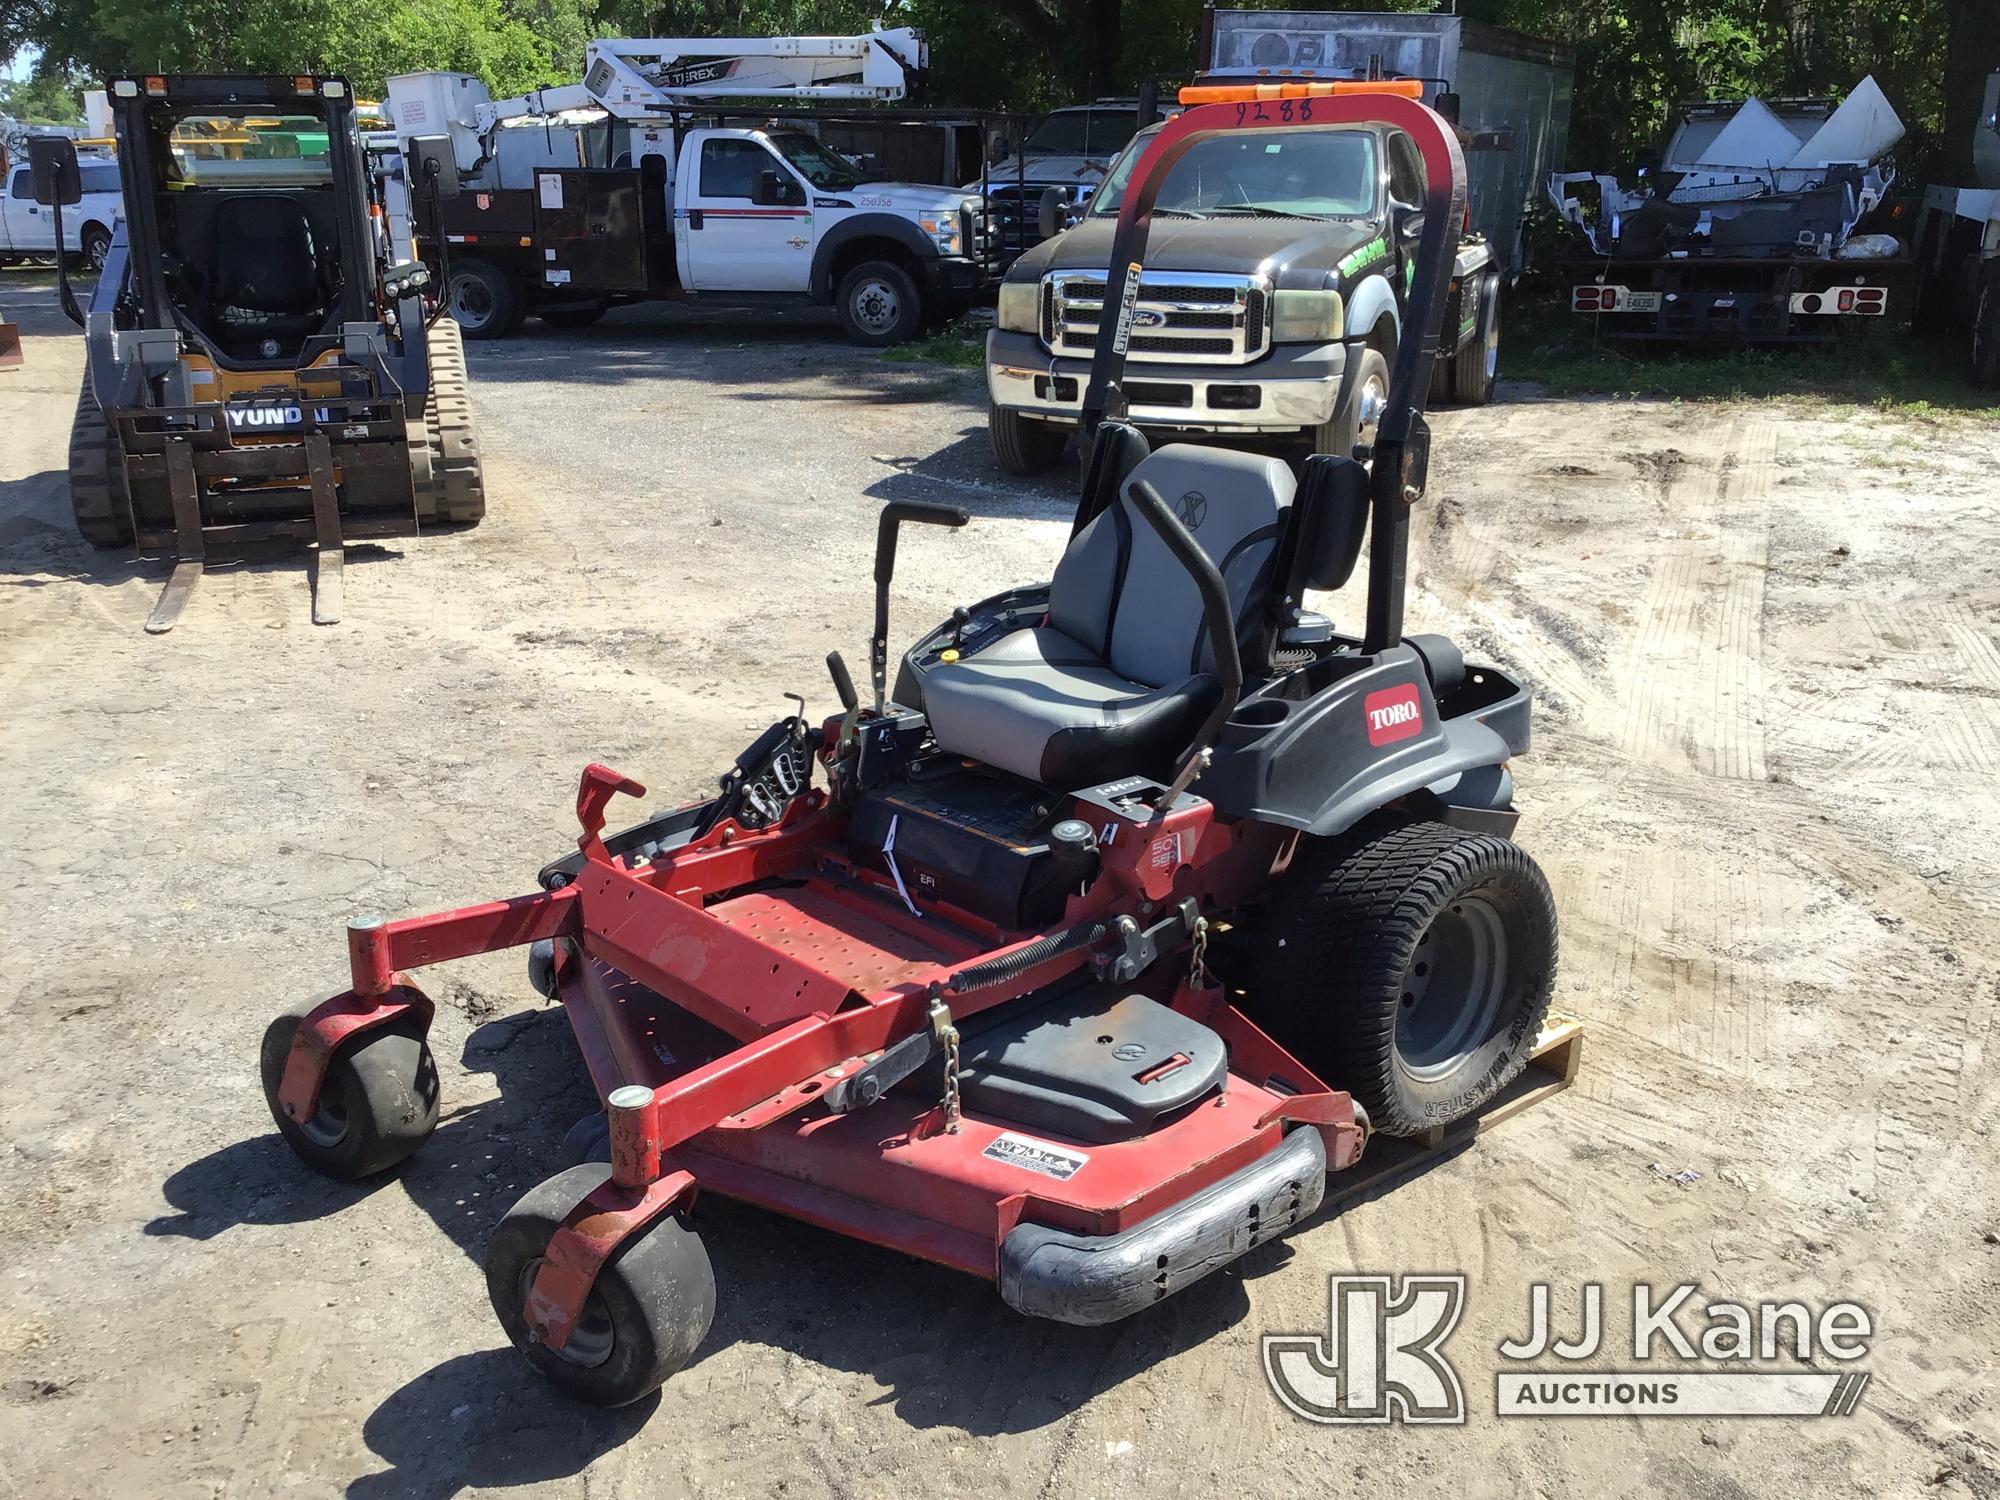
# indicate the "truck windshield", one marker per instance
pixel 818 164
pixel 1082 132
pixel 1312 175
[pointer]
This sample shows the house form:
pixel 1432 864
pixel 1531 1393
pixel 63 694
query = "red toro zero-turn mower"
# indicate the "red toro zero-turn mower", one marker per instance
pixel 1075 964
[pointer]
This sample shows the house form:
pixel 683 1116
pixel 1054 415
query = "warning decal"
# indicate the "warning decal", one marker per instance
pixel 1045 1157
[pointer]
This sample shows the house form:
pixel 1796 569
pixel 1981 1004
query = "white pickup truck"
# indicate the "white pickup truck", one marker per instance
pixel 28 230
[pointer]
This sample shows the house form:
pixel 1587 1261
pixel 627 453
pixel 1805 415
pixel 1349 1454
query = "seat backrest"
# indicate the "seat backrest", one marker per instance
pixel 262 257
pixel 1120 592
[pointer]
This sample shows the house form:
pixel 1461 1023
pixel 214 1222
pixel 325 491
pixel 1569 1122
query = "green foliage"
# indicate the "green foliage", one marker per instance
pixel 961 346
pixel 45 99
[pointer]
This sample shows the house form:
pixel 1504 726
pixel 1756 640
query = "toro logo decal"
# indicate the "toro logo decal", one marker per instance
pixel 1393 714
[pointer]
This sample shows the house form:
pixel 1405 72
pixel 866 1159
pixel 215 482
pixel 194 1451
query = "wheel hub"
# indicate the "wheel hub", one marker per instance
pixel 590 1338
pixel 1453 988
pixel 875 306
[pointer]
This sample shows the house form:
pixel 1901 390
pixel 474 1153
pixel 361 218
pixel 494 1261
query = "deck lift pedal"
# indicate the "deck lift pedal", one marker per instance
pixel 1074 962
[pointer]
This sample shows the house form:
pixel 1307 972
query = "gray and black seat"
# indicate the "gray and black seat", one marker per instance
pixel 1119 678
pixel 264 279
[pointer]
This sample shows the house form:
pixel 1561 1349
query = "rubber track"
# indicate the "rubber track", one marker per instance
pixel 1352 911
pixel 98 500
pixel 458 490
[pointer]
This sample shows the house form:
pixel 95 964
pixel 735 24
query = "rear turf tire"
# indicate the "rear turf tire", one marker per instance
pixel 647 1312
pixel 377 1105
pixel 1023 446
pixel 97 492
pixel 1410 964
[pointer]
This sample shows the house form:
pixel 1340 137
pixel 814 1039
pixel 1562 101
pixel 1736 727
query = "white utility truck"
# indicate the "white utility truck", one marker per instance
pixel 615 190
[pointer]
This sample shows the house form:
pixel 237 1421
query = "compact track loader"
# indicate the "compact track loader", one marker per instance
pixel 261 367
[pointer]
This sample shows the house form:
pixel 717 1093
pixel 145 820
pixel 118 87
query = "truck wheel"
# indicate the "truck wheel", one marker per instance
pixel 1986 331
pixel 1410 964
pixel 879 304
pixel 1022 445
pixel 646 1313
pixel 1364 393
pixel 450 486
pixel 96 245
pixel 97 492
pixel 484 299
pixel 1474 368
pixel 377 1105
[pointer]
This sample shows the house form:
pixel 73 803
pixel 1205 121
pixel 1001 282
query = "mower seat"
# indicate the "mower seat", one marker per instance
pixel 264 277
pixel 1119 678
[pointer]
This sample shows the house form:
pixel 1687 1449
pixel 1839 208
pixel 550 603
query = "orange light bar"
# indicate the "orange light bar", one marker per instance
pixel 1248 93
pixel 156 85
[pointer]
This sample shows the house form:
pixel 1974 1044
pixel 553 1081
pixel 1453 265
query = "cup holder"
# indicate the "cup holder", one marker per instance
pixel 1261 713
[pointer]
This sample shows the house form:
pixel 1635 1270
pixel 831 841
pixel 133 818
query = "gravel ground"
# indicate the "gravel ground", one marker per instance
pixel 1763 643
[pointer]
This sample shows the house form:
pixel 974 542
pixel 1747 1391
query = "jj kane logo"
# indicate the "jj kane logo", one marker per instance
pixel 1382 1357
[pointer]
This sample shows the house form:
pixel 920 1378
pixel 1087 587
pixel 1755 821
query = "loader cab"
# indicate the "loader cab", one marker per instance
pixel 247 212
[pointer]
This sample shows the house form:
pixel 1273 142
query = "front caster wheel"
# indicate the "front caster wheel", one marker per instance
pixel 1410 964
pixel 647 1311
pixel 378 1103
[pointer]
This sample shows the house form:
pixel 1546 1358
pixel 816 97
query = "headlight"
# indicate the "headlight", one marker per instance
pixel 943 233
pixel 1019 307
pixel 1307 317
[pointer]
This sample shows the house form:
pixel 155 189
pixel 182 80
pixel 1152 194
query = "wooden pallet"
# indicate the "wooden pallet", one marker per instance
pixel 1552 1067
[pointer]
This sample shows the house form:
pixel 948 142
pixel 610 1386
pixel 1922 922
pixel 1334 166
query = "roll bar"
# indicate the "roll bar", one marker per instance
pixel 1402 442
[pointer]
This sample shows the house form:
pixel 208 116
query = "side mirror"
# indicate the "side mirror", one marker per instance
pixel 1645 164
pixel 1408 219
pixel 1336 494
pixel 52 160
pixel 772 189
pixel 433 167
pixel 1050 220
pixel 1446 104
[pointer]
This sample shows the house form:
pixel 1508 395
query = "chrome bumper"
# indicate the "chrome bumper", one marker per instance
pixel 1290 388
pixel 1090 1279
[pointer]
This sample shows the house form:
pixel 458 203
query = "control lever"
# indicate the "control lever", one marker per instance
pixel 960 618
pixel 843 684
pixel 893 515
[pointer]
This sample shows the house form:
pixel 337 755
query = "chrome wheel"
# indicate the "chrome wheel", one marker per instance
pixel 471 302
pixel 875 305
pixel 1370 403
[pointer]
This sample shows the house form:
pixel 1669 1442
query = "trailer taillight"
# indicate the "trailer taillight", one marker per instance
pixel 1250 93
pixel 1846 301
pixel 1871 301
pixel 1585 298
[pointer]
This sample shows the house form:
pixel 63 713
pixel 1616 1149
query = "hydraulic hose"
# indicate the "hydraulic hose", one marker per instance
pixel 1010 965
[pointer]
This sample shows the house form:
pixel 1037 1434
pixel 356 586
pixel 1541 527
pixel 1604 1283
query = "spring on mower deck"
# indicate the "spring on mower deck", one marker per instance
pixel 999 970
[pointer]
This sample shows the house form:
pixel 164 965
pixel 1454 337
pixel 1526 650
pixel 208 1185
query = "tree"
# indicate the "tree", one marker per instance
pixel 45 99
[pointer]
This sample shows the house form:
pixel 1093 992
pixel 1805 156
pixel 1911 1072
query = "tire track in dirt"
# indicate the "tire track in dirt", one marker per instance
pixel 1692 683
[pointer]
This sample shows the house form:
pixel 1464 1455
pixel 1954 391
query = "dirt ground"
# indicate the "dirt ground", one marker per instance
pixel 1767 673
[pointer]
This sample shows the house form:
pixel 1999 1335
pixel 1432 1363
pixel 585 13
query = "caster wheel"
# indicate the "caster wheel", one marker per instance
pixel 378 1104
pixel 648 1310
pixel 587 1141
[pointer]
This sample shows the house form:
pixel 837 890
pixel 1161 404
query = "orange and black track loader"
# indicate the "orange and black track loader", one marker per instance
pixel 261 369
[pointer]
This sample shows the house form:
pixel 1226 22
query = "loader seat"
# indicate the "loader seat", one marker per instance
pixel 1119 678
pixel 264 275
